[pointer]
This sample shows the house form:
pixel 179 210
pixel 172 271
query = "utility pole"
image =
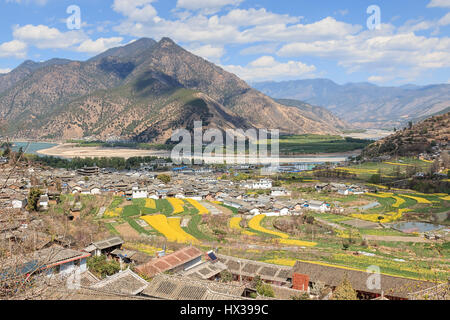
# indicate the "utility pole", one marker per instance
pixel 240 272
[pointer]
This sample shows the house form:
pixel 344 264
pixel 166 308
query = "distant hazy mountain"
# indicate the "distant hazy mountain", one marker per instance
pixel 365 104
pixel 143 91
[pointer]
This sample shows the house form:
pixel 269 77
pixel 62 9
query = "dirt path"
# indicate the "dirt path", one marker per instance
pixel 224 210
pixel 331 224
pixel 397 239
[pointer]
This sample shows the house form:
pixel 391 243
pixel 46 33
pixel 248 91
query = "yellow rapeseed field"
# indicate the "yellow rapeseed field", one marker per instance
pixel 418 199
pixel 183 236
pixel 255 224
pixel 398 202
pixel 201 209
pixel 235 225
pixel 388 217
pixel 377 186
pixel 296 242
pixel 282 262
pixel 171 231
pixel 113 213
pixel 177 205
pixel 399 164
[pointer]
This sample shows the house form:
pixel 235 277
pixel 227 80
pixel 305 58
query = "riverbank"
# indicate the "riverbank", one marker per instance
pixel 72 150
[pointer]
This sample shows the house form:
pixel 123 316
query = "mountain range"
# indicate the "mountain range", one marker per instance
pixel 365 105
pixel 143 92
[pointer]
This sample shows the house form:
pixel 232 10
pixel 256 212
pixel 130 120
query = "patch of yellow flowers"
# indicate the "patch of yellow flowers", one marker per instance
pixel 177 205
pixel 294 242
pixel 170 228
pixel 113 213
pixel 388 217
pixel 235 225
pixel 418 199
pixel 255 224
pixel 201 209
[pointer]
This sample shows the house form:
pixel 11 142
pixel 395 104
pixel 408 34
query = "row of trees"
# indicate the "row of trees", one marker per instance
pixel 103 162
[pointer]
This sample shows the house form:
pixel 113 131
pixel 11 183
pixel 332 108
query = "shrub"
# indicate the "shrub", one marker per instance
pixel 103 267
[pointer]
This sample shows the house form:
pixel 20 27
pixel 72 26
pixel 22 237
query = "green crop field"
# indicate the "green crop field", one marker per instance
pixel 309 143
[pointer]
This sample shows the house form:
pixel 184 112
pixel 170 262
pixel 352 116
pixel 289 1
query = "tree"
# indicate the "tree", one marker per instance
pixel 318 288
pixel 434 167
pixel 164 178
pixel 375 179
pixel 86 179
pixel 33 199
pixel 263 289
pixel 345 291
pixel 226 276
pixel 102 267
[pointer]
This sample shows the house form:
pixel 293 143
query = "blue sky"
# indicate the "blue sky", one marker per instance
pixel 256 39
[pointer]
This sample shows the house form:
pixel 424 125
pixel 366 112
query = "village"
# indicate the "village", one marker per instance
pixel 215 232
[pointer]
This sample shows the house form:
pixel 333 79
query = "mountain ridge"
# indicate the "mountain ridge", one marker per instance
pixel 143 91
pixel 365 105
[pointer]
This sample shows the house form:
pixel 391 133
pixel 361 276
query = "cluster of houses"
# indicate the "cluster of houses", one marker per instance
pixel 137 184
pixel 192 274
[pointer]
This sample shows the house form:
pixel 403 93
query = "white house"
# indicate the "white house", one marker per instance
pixel 140 194
pixel 317 206
pixel 95 191
pixel 60 261
pixel 19 203
pixel 43 202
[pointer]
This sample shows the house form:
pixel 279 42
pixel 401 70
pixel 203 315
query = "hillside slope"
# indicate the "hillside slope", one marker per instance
pixel 141 91
pixel 421 137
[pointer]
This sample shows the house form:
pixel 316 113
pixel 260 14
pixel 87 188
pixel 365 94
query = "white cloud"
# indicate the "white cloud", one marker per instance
pixel 208 52
pixel 255 17
pixel 135 10
pixel 3 71
pixel 403 55
pixel 44 37
pixel 38 2
pixel 267 68
pixel 267 48
pixel 207 6
pixel 439 3
pixel 99 45
pixel 445 20
pixel 14 48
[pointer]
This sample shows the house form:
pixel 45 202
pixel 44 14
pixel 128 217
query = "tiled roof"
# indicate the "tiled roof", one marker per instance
pixel 169 262
pixel 125 282
pixel 88 279
pixel 333 276
pixel 183 288
pixel 57 254
pixel 250 268
pixel 205 270
pixel 108 243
